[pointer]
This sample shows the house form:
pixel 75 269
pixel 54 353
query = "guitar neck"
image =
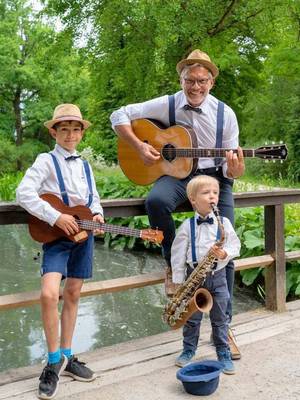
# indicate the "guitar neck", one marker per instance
pixel 89 225
pixel 208 153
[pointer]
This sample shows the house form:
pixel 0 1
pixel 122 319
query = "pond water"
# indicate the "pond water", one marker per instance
pixel 102 320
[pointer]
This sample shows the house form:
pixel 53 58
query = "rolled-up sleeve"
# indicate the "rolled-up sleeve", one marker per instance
pixel 154 109
pixel 179 253
pixel 27 193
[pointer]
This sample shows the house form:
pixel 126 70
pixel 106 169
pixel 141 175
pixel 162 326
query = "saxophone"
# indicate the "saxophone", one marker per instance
pixel 190 296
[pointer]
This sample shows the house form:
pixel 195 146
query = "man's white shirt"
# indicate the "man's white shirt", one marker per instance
pixel 204 124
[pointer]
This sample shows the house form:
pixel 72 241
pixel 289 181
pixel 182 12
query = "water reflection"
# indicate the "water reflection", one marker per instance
pixel 102 320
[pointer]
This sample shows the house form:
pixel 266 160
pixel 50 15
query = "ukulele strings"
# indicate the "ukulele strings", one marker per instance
pixel 115 229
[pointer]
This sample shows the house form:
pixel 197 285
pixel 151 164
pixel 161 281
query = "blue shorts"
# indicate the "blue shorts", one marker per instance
pixel 72 260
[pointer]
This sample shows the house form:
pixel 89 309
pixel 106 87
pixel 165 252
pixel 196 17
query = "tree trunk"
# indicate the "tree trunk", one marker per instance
pixel 18 122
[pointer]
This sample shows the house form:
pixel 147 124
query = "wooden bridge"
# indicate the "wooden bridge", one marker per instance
pixel 139 357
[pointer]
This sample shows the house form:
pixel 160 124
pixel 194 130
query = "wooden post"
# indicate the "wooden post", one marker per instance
pixel 274 245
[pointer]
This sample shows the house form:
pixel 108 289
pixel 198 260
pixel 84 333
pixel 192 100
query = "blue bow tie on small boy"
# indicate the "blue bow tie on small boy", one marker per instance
pixel 208 220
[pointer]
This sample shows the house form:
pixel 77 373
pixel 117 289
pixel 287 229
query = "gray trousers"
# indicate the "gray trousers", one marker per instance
pixel 217 285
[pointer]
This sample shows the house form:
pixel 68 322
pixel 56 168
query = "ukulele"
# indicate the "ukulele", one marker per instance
pixel 179 152
pixel 43 232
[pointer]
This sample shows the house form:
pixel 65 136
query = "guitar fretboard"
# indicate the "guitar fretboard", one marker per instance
pixel 202 153
pixel 120 230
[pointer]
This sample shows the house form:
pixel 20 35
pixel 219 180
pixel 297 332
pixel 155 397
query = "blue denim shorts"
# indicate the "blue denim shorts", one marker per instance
pixel 72 260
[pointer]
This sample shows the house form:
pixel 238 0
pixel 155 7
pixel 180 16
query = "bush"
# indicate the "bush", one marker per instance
pixel 8 156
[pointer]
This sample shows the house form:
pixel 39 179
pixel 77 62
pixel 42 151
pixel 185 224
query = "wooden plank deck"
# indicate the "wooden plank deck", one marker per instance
pixel 144 369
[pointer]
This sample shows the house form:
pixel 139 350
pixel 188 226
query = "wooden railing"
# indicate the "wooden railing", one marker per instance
pixel 274 259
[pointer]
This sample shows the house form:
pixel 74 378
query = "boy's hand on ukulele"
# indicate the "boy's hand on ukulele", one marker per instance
pixel 100 219
pixel 67 223
pixel 219 253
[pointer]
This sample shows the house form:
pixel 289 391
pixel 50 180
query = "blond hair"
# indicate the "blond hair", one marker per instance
pixel 197 183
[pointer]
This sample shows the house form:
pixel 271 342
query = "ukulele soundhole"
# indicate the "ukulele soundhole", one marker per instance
pixel 169 152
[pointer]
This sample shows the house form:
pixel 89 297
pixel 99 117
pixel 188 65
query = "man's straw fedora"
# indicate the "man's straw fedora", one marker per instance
pixel 66 112
pixel 198 57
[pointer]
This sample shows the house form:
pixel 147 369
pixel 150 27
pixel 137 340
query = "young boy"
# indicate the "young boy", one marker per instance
pixel 62 173
pixel 202 191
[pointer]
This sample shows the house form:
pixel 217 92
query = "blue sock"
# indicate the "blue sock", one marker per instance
pixel 54 357
pixel 67 352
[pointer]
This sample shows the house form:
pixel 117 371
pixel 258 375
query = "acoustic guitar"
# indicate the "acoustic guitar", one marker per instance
pixel 179 152
pixel 45 233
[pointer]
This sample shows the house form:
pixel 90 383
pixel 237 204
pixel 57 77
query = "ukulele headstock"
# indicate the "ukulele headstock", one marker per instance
pixel 272 152
pixel 153 235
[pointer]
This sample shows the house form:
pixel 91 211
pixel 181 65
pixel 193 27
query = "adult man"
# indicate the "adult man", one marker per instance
pixel 215 125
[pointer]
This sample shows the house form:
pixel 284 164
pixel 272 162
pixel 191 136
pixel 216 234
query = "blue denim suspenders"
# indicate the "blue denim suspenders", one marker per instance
pixel 220 122
pixel 61 184
pixel 192 226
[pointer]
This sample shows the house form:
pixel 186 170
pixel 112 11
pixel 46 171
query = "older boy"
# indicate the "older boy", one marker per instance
pixel 62 173
pixel 201 234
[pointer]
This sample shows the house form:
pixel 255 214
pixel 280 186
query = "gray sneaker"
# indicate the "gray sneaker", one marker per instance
pixel 49 378
pixel 77 370
pixel 184 358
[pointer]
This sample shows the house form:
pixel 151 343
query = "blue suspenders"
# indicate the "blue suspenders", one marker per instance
pixel 219 133
pixel 192 226
pixel 220 122
pixel 61 184
pixel 172 120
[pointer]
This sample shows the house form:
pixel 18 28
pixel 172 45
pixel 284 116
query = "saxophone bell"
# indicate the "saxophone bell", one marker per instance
pixel 201 301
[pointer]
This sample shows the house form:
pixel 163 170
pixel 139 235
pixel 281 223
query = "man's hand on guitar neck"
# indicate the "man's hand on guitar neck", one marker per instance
pixel 235 163
pixel 67 223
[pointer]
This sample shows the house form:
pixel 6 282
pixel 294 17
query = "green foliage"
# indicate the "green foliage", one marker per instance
pixel 249 228
pixel 8 156
pixel 8 185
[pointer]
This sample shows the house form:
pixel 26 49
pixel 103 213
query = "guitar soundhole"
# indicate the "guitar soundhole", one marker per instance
pixel 169 152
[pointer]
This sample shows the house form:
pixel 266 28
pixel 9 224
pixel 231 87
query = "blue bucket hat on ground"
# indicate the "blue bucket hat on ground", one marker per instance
pixel 200 378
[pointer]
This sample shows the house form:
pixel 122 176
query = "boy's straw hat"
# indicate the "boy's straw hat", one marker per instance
pixel 66 112
pixel 198 57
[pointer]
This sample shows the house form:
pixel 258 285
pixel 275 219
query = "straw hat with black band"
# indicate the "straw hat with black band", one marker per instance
pixel 66 112
pixel 198 57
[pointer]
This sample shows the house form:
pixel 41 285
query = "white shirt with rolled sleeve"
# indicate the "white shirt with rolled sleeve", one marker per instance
pixel 204 124
pixel 205 238
pixel 41 178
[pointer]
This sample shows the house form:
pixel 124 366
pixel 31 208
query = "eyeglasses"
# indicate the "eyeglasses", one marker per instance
pixel 200 82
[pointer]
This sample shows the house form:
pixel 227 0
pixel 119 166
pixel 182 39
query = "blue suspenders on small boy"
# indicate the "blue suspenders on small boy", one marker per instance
pixel 220 122
pixel 61 184
pixel 192 226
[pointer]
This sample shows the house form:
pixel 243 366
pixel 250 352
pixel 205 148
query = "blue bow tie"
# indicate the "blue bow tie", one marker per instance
pixel 208 220
pixel 188 107
pixel 72 158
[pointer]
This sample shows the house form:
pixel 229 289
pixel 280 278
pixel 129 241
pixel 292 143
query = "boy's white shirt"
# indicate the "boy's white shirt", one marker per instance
pixel 205 238
pixel 41 178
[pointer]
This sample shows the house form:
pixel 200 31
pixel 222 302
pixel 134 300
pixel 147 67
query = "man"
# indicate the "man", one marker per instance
pixel 214 124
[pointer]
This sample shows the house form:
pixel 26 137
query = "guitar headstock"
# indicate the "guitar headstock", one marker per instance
pixel 272 152
pixel 153 235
